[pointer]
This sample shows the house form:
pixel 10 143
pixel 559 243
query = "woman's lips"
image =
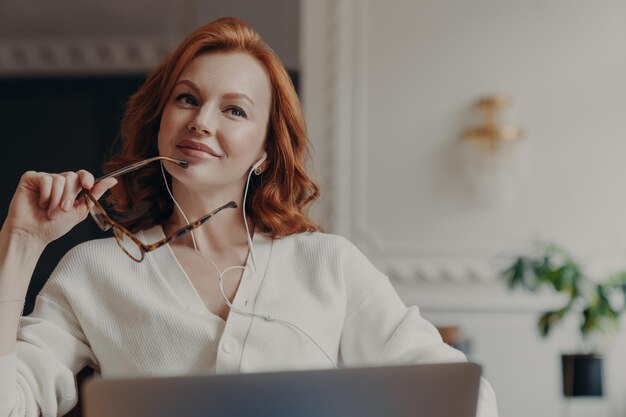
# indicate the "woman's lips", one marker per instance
pixel 196 149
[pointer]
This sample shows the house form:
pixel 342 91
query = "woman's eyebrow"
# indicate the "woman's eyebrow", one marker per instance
pixel 188 83
pixel 238 95
pixel 227 95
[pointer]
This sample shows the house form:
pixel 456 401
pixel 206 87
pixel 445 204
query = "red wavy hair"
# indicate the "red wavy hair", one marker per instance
pixel 277 198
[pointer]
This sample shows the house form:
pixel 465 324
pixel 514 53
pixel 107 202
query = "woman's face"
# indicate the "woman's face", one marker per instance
pixel 216 118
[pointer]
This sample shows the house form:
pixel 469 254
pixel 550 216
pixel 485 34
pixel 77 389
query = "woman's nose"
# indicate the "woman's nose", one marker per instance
pixel 203 123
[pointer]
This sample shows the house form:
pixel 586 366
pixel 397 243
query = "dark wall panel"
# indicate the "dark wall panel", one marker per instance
pixel 54 125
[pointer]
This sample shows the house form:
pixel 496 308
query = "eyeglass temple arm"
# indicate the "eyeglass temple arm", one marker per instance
pixel 137 165
pixel 203 219
pixel 189 227
pixel 132 167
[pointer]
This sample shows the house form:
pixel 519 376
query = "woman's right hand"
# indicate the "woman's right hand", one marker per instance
pixel 45 207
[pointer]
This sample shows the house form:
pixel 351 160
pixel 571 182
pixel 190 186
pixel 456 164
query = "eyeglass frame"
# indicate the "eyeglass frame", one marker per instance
pixel 111 224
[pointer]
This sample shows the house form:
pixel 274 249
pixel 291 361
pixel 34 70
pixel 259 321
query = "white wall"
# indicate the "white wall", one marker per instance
pixel 388 88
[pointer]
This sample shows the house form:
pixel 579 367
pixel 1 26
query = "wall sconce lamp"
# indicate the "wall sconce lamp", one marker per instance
pixel 491 132
pixel 493 160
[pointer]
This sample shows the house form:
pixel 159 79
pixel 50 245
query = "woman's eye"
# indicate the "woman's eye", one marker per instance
pixel 236 111
pixel 186 98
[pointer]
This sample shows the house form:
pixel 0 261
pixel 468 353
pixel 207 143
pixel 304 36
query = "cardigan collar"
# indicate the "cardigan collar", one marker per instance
pixel 167 264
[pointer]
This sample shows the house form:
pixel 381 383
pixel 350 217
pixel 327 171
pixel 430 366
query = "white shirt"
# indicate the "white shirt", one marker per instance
pixel 318 294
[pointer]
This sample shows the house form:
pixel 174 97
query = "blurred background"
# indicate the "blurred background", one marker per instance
pixel 449 137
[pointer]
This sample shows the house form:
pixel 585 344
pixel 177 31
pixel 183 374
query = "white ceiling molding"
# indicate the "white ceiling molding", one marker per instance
pixel 19 57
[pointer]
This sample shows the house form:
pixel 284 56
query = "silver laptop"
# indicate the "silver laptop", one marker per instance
pixel 440 390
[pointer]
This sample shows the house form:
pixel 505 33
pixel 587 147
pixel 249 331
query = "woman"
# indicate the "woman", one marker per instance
pixel 252 286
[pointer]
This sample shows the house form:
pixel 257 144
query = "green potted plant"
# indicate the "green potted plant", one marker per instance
pixel 597 305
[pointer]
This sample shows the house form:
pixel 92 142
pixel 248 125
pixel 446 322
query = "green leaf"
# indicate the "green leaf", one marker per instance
pixel 548 320
pixel 555 269
pixel 515 274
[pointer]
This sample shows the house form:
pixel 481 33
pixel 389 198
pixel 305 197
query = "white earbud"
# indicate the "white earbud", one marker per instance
pixel 258 163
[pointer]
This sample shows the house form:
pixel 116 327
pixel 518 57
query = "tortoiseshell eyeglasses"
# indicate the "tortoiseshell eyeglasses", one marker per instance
pixel 130 244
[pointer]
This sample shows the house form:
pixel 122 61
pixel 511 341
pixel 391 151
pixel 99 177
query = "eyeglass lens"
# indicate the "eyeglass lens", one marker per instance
pixel 96 214
pixel 128 245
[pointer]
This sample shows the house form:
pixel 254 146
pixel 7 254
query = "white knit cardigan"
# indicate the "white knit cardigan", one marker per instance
pixel 320 296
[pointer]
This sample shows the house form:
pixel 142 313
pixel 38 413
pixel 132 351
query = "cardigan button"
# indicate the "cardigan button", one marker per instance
pixel 229 345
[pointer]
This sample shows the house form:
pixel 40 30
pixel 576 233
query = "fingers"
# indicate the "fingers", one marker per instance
pixel 45 189
pixel 72 188
pixel 58 186
pixel 85 178
pixel 58 192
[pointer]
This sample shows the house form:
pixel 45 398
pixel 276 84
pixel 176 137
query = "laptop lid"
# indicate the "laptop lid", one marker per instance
pixel 438 390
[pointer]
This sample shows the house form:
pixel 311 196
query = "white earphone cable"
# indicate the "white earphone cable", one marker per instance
pixel 221 273
pixel 245 220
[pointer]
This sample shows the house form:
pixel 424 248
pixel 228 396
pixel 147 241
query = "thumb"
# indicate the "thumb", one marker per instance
pixel 101 186
pixel 96 192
